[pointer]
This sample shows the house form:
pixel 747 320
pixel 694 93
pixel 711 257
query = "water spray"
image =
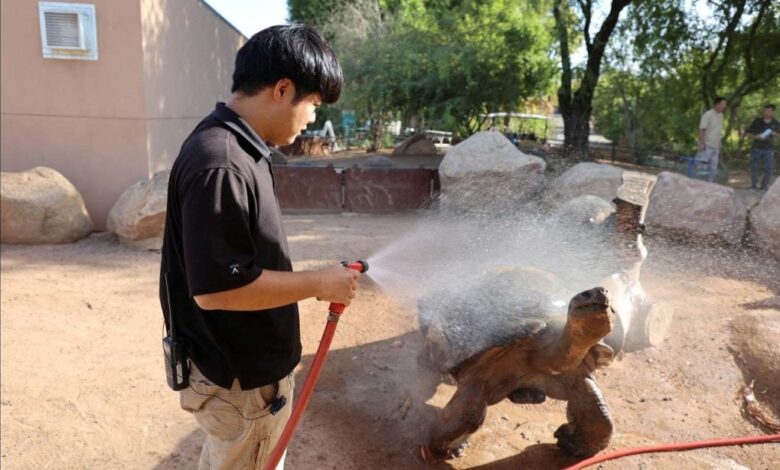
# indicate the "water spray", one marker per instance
pixel 334 313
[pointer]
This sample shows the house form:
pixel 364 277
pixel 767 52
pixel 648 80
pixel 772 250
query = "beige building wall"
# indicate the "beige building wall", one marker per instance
pixel 106 124
pixel 188 55
pixel 83 118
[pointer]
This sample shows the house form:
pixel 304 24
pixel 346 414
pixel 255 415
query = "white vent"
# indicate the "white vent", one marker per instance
pixel 68 30
pixel 63 30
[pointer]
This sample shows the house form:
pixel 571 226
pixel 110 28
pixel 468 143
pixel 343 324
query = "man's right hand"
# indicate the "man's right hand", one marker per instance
pixel 338 284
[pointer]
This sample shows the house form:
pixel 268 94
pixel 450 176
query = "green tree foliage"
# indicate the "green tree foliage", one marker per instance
pixel 313 12
pixel 444 62
pixel 681 59
pixel 649 112
pixel 744 56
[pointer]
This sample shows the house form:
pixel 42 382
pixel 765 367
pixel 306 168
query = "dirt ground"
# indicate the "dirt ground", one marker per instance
pixel 83 385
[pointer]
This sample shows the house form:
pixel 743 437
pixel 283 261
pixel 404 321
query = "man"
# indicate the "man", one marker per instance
pixel 762 131
pixel 225 257
pixel 710 128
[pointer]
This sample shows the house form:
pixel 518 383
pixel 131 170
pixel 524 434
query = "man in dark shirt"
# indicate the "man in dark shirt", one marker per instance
pixel 225 261
pixel 762 131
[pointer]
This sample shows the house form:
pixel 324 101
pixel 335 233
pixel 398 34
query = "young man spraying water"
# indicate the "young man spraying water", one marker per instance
pixel 226 281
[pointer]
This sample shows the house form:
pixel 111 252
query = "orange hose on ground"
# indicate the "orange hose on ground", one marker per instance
pixel 675 447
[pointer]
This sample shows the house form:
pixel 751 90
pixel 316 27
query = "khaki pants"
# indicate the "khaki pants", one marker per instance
pixel 710 155
pixel 234 441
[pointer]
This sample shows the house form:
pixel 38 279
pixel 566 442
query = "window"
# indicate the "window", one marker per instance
pixel 68 30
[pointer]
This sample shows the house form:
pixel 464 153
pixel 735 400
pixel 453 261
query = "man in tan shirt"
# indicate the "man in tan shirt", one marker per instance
pixel 710 128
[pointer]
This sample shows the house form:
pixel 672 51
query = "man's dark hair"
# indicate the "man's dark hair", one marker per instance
pixel 718 99
pixel 296 52
pixel 769 106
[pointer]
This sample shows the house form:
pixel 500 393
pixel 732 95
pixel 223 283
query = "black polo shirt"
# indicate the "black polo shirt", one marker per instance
pixel 757 127
pixel 223 227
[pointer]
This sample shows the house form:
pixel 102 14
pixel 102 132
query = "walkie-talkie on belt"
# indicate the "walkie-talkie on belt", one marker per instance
pixel 177 369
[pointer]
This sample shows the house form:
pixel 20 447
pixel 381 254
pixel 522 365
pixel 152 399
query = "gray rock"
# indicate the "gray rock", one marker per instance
pixel 139 213
pixel 41 206
pixel 692 208
pixel 749 197
pixel 754 336
pixel 765 221
pixel 595 179
pixel 417 144
pixel 487 173
pixel 587 209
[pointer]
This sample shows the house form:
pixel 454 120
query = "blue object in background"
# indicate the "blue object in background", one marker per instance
pixel 348 120
pixel 696 169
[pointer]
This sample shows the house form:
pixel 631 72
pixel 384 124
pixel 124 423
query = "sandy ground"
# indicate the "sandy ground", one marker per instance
pixel 83 385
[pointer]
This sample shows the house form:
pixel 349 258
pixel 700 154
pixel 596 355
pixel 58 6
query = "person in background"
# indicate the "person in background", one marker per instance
pixel 710 127
pixel 762 131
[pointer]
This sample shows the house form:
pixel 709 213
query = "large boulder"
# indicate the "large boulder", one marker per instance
pixel 41 206
pixel 754 337
pixel 139 213
pixel 691 208
pixel 765 220
pixel 418 144
pixel 584 210
pixel 749 197
pixel 586 178
pixel 486 173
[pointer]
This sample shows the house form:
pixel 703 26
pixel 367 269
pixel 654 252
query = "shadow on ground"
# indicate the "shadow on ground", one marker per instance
pixel 370 410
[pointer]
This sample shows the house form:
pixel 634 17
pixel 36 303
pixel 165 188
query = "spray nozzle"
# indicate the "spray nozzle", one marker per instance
pixel 337 309
pixel 359 265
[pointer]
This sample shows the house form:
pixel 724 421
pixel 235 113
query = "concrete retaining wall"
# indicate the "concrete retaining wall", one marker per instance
pixel 354 189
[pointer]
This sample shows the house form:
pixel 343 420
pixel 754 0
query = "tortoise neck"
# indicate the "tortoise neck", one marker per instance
pixel 566 350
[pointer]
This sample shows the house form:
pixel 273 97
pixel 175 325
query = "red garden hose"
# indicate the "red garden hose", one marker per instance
pixel 335 311
pixel 675 447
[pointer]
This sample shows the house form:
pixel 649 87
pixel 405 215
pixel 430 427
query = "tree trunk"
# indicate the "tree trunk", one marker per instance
pixel 576 130
pixel 631 132
pixel 377 128
pixel 576 107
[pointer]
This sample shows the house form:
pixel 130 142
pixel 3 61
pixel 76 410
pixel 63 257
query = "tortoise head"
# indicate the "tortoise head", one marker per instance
pixel 590 315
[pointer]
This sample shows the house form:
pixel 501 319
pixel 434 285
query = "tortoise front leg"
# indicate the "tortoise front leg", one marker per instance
pixel 462 416
pixel 590 425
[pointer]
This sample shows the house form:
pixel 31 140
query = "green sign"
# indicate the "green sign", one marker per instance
pixel 348 120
